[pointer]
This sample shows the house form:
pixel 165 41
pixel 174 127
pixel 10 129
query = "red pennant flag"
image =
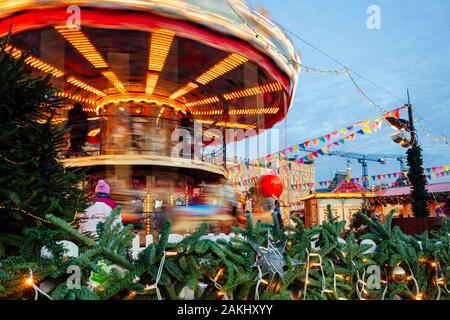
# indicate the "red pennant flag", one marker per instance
pixel 328 137
pixel 384 176
pixel 307 144
pixel 379 176
pixel 315 154
pixel 396 113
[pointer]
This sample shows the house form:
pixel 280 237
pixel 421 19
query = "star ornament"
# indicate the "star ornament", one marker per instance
pixel 272 260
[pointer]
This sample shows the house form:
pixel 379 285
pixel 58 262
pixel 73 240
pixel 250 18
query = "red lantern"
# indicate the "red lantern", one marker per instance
pixel 270 186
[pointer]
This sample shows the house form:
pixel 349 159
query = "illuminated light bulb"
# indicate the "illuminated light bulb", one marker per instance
pixel 29 282
pixel 365 260
pixel 220 294
pixel 420 296
pixel 219 274
pixel 171 254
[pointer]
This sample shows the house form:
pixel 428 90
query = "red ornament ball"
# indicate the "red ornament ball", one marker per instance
pixel 270 186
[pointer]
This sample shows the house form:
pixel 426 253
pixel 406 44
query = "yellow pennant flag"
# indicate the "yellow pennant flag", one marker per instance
pixel 366 130
pixel 296 148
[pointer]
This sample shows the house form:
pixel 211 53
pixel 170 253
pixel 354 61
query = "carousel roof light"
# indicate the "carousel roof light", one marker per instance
pixel 265 88
pixel 204 121
pixel 81 42
pixel 34 62
pixel 207 112
pixel 235 125
pixel 183 90
pixel 202 102
pixel 160 43
pixel 85 86
pixel 219 69
pixel 84 46
pixel 159 46
pixel 152 79
pixel 114 80
pixel 251 111
pixel 224 66
pixel 75 98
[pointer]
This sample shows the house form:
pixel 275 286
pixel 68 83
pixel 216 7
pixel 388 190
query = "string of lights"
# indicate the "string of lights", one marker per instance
pixel 343 70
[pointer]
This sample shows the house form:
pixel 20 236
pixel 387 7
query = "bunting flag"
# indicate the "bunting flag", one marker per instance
pixel 438 172
pixel 366 127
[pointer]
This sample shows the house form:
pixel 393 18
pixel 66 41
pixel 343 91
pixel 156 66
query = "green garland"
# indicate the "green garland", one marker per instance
pixel 199 268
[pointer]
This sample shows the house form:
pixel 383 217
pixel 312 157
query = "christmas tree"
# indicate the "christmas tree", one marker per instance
pixel 419 194
pixel 33 182
pixel 261 261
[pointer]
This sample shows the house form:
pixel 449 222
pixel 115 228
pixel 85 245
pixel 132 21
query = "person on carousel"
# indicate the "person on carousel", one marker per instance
pixel 99 211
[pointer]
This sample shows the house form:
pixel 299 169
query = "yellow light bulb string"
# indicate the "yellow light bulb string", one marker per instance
pixel 158 276
pixel 260 280
pixel 34 216
pixel 219 287
pixel 414 279
pixel 334 278
pixel 307 275
pixel 358 291
pixel 36 289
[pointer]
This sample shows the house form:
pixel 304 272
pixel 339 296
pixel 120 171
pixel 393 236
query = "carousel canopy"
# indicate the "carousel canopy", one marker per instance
pixel 195 56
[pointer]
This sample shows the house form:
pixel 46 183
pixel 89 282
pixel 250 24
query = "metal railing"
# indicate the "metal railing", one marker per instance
pixel 142 135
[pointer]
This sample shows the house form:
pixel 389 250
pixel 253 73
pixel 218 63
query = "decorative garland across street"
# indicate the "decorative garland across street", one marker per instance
pixel 261 261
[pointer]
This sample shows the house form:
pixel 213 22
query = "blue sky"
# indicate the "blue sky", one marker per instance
pixel 411 50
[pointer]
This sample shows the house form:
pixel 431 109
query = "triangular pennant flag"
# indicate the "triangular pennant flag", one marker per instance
pixel 324 150
pixel 446 168
pixel 296 148
pixel 320 152
pixel 283 152
pixel 301 160
pixel 344 131
pixel 330 147
pixel 307 144
pixel 389 175
pixel 360 132
pixel 291 149
pixel 322 139
pixel 428 170
pixel 336 143
pixel 315 154
pixel 310 156
pixel 396 113
pixel 434 169
pixel 315 141
pixel 341 141
pixel 335 134
pixel 328 137
pixel 349 128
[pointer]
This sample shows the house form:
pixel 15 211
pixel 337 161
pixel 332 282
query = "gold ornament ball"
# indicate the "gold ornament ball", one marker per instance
pixel 398 274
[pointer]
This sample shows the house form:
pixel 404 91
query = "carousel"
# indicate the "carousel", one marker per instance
pixel 139 68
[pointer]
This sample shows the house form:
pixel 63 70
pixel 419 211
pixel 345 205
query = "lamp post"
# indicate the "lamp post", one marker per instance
pixel 419 193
